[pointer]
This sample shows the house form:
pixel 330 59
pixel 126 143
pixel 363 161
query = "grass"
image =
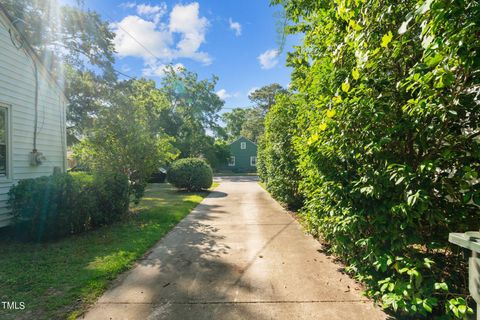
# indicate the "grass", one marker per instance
pixel 60 279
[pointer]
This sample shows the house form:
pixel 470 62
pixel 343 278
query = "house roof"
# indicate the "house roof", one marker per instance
pixel 241 138
pixel 30 51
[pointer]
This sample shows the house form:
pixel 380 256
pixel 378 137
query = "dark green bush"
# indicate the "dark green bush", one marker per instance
pixel 277 161
pixel 387 138
pixel 192 174
pixel 52 207
pixel 112 190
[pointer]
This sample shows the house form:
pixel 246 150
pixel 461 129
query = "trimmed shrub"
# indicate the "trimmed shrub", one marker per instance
pixel 112 190
pixel 192 174
pixel 53 207
pixel 277 162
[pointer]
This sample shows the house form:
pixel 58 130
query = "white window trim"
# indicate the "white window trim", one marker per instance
pixel 251 161
pixel 9 176
pixel 230 162
pixel 243 145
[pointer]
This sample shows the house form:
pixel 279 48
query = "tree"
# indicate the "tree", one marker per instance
pixel 248 122
pixel 253 127
pixel 124 138
pixel 193 113
pixel 87 95
pixel 78 48
pixel 264 98
pixel 79 38
pixel 234 121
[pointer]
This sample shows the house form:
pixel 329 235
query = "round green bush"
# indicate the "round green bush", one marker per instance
pixel 192 174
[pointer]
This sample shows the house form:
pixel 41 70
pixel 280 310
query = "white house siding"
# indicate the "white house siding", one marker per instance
pixel 17 92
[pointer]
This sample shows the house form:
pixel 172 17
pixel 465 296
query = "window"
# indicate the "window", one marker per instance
pixel 243 145
pixel 253 161
pixel 3 142
pixel 231 161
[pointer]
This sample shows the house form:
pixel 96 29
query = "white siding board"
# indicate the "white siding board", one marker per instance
pixel 17 90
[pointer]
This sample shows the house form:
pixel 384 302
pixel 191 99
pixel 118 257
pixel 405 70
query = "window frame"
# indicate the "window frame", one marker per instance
pixel 251 162
pixel 243 145
pixel 230 163
pixel 8 141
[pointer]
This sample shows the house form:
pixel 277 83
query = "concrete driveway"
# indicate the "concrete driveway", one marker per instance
pixel 238 255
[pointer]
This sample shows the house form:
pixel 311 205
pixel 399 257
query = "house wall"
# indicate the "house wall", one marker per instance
pixel 242 156
pixel 17 92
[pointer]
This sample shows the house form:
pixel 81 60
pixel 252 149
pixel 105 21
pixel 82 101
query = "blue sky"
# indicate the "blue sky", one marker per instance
pixel 235 40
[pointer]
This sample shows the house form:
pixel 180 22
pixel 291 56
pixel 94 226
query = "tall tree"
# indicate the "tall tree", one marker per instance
pixel 264 98
pixel 124 138
pixel 65 33
pixel 193 116
pixel 253 126
pixel 77 46
pixel 234 121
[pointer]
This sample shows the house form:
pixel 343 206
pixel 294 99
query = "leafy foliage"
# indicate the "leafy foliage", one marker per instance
pixel 264 97
pixel 248 122
pixel 386 133
pixel 78 37
pixel 191 174
pixel 53 207
pixel 77 46
pixel 234 121
pixel 194 111
pixel 277 161
pixel 253 127
pixel 125 137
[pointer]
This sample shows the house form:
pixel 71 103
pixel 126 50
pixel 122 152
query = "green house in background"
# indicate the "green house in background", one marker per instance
pixel 243 156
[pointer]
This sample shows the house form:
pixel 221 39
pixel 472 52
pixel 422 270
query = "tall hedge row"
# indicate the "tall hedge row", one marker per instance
pixel 386 138
pixel 277 160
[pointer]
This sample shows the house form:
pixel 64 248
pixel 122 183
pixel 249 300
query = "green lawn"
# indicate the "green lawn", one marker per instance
pixel 60 279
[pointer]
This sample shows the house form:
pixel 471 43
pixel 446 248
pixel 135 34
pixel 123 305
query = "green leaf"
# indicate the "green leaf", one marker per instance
pixel 455 311
pixel 355 73
pixel 433 61
pixel 386 39
pixel 427 307
pixel 425 7
pixel 403 28
pixel 345 87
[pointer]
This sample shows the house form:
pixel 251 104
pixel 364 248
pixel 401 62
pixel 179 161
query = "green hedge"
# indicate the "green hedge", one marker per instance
pixel 387 142
pixel 55 206
pixel 277 160
pixel 191 174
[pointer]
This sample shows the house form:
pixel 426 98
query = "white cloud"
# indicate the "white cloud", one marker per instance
pixel 160 70
pixel 153 12
pixel 128 5
pixel 237 27
pixel 185 19
pixel 223 94
pixel 268 59
pixel 146 36
pixel 132 29
pixel 147 9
